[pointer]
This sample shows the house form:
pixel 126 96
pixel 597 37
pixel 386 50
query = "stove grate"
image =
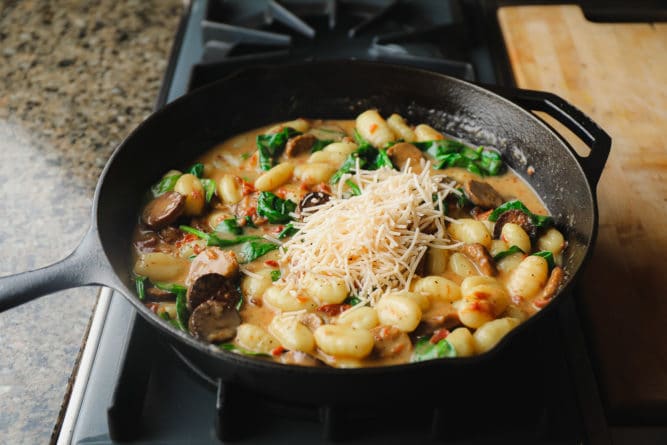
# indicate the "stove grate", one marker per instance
pixel 421 33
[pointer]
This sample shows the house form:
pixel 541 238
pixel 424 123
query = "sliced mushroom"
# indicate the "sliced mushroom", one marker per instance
pixel 163 210
pixel 214 322
pixel 313 199
pixel 390 342
pixel 311 321
pixel 212 286
pixel 170 234
pixel 432 321
pixel 517 217
pixel 403 153
pixel 298 358
pixel 480 256
pixel 482 194
pixel 299 144
pixel 213 260
pixel 553 283
pixel 146 241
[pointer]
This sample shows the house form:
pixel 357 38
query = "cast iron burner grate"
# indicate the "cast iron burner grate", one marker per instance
pixel 428 34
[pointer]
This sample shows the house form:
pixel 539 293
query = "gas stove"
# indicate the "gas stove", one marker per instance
pixel 132 388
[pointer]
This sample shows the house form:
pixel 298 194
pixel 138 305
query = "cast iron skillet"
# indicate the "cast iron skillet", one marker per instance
pixel 175 135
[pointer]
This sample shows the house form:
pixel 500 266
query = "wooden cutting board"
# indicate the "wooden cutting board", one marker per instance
pixel 617 74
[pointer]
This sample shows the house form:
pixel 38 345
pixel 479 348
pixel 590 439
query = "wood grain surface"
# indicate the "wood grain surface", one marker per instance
pixel 617 74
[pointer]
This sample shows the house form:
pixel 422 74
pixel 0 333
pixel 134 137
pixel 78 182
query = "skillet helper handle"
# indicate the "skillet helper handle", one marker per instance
pixel 84 266
pixel 575 120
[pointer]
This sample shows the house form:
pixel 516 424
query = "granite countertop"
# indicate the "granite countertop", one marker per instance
pixel 75 78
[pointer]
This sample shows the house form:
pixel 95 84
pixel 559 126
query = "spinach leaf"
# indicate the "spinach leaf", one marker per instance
pixel 356 191
pixel 382 160
pixel 239 350
pixel 171 287
pixel 352 300
pixel 491 162
pixel 538 220
pixel 370 158
pixel 348 165
pixel 275 275
pixel 165 316
pixel 165 185
pixel 359 139
pixel 289 230
pixel 182 313
pixel 197 170
pixel 251 250
pixel 271 146
pixel 230 226
pixel 249 223
pixel 547 255
pixel 319 145
pixel 209 188
pixel 440 147
pixel 140 283
pixel 512 250
pixel 276 210
pixel 449 153
pixel 212 239
pixel 425 350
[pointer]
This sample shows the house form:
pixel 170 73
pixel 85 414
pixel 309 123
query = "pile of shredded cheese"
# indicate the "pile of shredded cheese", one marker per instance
pixel 373 241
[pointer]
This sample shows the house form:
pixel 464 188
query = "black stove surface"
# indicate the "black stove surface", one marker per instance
pixel 138 391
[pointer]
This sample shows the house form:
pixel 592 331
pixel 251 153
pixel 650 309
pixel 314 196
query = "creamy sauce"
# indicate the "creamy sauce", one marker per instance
pixel 238 156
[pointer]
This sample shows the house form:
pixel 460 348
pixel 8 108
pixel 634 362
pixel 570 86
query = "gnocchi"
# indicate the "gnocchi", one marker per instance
pixel 292 269
pixel 344 341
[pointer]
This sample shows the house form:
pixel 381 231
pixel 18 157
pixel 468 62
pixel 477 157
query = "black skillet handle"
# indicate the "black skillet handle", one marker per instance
pixel 567 114
pixel 85 266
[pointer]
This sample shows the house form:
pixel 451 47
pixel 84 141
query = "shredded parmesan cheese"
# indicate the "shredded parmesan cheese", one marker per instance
pixel 373 241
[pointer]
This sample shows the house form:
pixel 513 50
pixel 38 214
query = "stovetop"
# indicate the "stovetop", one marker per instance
pixel 131 388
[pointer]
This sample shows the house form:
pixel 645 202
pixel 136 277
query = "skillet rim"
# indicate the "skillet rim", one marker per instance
pixel 213 352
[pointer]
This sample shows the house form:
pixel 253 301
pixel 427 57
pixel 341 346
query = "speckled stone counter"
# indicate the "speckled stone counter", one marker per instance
pixel 75 78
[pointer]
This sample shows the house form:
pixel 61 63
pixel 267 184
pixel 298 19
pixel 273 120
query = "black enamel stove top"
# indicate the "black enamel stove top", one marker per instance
pixel 131 388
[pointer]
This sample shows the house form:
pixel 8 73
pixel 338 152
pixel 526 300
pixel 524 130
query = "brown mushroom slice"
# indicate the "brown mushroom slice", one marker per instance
pixel 299 144
pixel 213 260
pixel 517 217
pixel 298 358
pixel 311 321
pixel 313 199
pixel 432 321
pixel 163 210
pixel 478 254
pixel 482 194
pixel 170 234
pixel 212 286
pixel 146 241
pixel 390 342
pixel 403 153
pixel 550 289
pixel 214 322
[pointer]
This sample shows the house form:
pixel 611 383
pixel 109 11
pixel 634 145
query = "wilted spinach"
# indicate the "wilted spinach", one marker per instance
pixel 449 153
pixel 271 145
pixel 276 210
